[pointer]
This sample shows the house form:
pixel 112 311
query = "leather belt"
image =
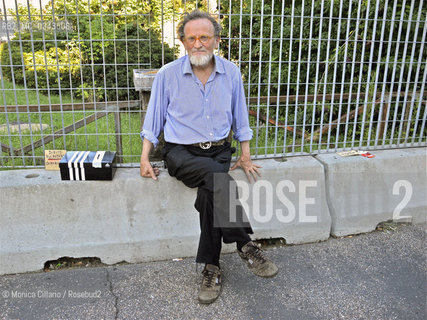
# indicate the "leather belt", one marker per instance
pixel 208 144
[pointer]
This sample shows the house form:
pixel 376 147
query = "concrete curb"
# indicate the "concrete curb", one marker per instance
pixel 136 220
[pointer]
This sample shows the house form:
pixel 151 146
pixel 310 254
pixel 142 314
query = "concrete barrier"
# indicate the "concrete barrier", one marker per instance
pixel 129 218
pixel 288 201
pixel 134 219
pixel 302 199
pixel 363 192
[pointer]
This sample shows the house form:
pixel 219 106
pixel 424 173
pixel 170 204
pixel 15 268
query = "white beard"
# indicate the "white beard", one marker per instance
pixel 201 60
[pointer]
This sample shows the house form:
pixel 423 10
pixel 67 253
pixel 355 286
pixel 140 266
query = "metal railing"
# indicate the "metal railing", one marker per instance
pixel 320 76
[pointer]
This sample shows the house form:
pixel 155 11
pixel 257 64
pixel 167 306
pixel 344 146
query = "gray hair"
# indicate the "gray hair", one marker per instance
pixel 195 15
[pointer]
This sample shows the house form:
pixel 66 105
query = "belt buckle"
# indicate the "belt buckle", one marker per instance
pixel 205 145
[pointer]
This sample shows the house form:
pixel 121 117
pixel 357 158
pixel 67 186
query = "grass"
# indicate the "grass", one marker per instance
pixel 101 134
pixel 98 135
pixel 18 96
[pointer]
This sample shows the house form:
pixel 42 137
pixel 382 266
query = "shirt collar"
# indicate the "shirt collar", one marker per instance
pixel 219 68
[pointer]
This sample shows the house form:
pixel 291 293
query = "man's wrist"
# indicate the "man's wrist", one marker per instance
pixel 245 157
pixel 145 159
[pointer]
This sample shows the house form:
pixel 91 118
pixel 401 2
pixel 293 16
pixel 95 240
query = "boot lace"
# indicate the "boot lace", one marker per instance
pixel 257 254
pixel 209 278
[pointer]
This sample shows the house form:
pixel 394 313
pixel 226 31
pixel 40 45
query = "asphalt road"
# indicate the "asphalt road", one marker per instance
pixel 380 275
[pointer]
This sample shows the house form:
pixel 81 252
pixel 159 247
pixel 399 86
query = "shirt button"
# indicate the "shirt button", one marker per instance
pixel 211 134
pixel 206 100
pixel 207 117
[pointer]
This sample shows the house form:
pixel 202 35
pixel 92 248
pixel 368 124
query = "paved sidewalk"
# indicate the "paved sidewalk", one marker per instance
pixel 371 276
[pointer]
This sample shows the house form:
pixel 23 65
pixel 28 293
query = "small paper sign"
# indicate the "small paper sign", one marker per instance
pixel 52 158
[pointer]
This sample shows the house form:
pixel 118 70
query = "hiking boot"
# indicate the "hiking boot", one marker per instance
pixel 257 262
pixel 211 284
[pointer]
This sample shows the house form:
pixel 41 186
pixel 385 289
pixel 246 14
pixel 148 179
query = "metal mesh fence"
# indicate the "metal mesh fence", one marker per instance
pixel 320 75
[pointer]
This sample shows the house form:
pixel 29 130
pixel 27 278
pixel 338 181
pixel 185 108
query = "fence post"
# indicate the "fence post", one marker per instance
pixel 118 130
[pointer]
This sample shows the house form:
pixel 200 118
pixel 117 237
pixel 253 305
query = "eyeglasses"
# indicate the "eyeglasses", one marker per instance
pixel 203 39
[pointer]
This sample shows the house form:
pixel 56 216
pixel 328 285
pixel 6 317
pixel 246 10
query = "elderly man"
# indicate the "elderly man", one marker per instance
pixel 196 100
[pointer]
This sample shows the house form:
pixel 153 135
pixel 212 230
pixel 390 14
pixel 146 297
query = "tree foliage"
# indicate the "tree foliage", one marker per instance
pixel 93 59
pixel 323 45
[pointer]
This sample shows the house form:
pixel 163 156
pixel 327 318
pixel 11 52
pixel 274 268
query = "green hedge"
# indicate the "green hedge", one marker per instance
pixel 94 61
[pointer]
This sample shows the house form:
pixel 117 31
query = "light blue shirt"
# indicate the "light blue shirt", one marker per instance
pixel 189 112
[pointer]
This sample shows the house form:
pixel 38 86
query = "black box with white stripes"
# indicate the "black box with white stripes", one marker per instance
pixel 88 165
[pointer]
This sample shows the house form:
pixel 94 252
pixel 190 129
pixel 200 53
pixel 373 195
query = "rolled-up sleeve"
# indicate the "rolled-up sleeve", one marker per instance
pixel 156 111
pixel 240 126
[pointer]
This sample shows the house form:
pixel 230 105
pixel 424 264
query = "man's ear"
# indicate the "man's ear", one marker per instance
pixel 217 41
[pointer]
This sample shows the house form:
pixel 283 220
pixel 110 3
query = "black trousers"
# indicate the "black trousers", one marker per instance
pixel 206 169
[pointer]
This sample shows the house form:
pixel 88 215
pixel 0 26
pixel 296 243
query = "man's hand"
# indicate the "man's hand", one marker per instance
pixel 251 169
pixel 147 171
